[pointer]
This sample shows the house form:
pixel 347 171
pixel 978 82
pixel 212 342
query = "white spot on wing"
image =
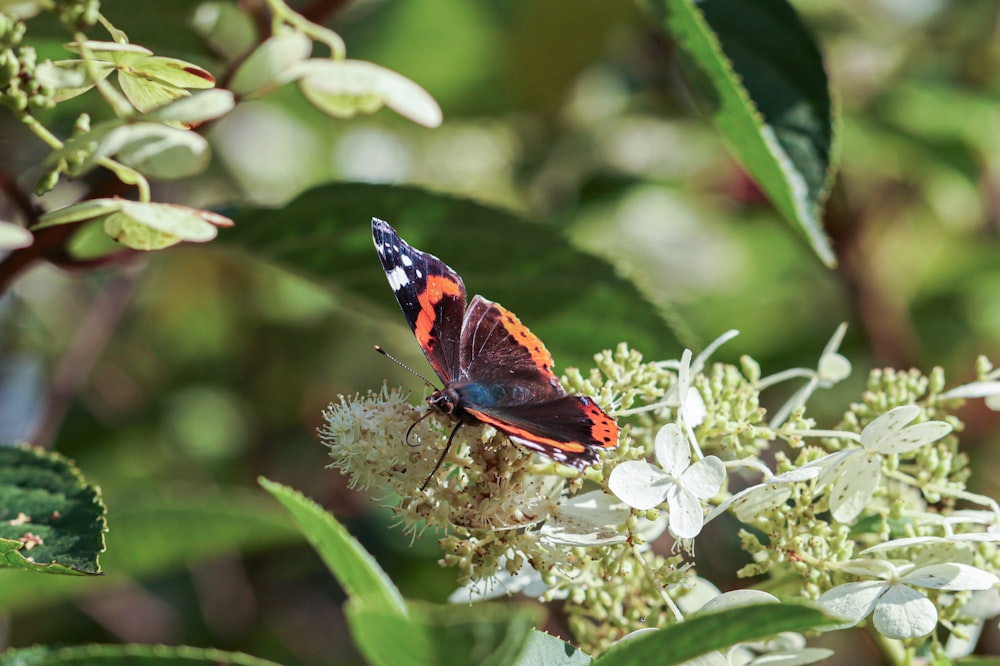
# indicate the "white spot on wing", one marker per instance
pixel 406 260
pixel 397 278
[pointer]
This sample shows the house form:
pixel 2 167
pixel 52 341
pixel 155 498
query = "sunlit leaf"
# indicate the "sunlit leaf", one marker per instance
pixel 154 226
pixel 542 649
pixel 344 88
pixel 51 519
pixel 265 66
pixel 158 151
pixel 148 94
pixel 70 78
pixel 82 210
pixel 760 76
pixel 198 107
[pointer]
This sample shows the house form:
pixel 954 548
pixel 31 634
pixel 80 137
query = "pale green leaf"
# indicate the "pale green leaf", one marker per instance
pixel 83 210
pixel 344 88
pixel 265 66
pixel 158 151
pixel 196 108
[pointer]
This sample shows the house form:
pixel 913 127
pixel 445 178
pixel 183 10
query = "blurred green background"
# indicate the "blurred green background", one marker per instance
pixel 178 379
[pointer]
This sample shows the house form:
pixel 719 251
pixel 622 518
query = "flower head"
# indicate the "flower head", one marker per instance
pixel 675 480
pixel 853 474
pixel 899 611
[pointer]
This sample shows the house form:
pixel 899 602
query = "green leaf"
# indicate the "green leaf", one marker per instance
pixel 760 75
pixel 153 226
pixel 83 210
pixel 155 530
pixel 487 635
pixel 542 649
pixel 156 150
pixel 127 655
pixel 574 301
pixel 355 569
pixel 266 65
pixel 344 88
pixel 196 108
pixel 701 634
pixel 147 94
pixel 51 519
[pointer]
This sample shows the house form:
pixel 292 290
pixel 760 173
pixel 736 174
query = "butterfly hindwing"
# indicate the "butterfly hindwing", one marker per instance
pixel 430 294
pixel 569 429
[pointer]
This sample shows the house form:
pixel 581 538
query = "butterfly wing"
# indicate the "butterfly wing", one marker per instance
pixel 570 429
pixel 508 381
pixel 430 294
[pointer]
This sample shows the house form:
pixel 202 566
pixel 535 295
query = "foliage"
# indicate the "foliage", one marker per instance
pixel 852 487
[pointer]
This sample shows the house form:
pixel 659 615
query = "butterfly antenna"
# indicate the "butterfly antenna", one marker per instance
pixel 447 448
pixel 405 367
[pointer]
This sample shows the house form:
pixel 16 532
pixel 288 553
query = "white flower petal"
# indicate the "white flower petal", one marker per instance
pixel 854 486
pixel 501 584
pixel 699 361
pixel 913 437
pixel 872 568
pixel 639 484
pixel 829 465
pixel 951 576
pixel 833 368
pixel 686 515
pixel 673 452
pixel 993 402
pixel 887 423
pixel 974 390
pixel 763 498
pixel 589 519
pixel 693 408
pixel 903 612
pixel 704 478
pixel 852 602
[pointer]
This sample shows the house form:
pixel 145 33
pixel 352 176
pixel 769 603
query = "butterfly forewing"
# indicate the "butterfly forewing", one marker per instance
pixel 496 348
pixel 430 294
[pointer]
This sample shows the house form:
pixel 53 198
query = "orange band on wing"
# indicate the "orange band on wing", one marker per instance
pixel 604 430
pixel 438 286
pixel 570 447
pixel 539 354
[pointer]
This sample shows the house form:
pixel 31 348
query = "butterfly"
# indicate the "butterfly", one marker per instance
pixel 494 369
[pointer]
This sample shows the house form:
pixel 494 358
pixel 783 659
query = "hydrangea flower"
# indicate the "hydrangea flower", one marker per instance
pixel 854 474
pixel 832 367
pixel 675 480
pixel 898 610
pixel 772 492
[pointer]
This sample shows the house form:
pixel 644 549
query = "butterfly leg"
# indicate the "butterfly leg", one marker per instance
pixel 444 455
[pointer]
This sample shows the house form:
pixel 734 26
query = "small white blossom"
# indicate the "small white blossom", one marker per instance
pixel 854 474
pixel 989 389
pixel 676 481
pixel 526 581
pixel 832 368
pixel 589 519
pixel 774 491
pixel 898 610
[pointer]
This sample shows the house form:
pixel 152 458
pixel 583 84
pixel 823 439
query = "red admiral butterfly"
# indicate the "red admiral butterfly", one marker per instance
pixel 494 369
